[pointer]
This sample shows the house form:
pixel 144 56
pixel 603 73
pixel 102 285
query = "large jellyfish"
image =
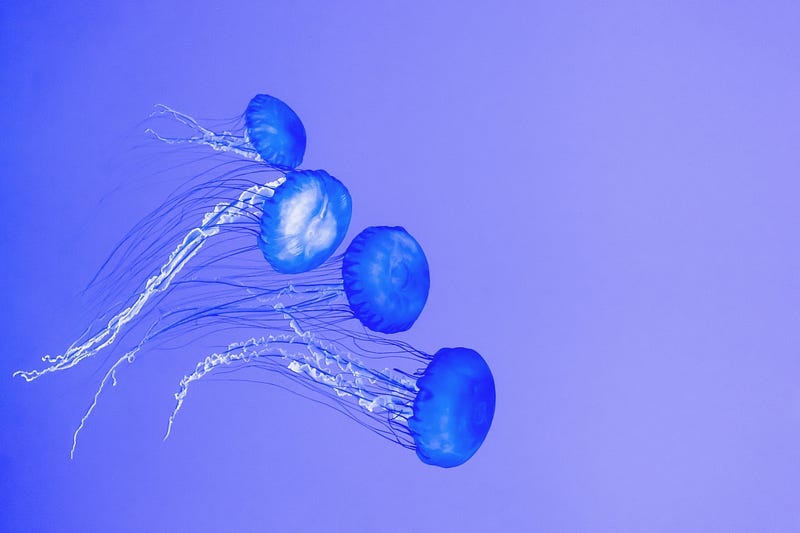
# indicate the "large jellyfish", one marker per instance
pixel 443 411
pixel 320 319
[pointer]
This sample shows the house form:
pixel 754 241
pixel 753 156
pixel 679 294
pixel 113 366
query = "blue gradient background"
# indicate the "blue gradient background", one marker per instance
pixel 608 197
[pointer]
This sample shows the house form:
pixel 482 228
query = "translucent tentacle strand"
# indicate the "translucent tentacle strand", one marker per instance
pixel 213 221
pixel 384 396
pixel 110 375
pixel 222 142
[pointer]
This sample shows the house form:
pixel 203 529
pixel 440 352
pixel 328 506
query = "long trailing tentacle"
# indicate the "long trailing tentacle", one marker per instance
pixel 213 221
pixel 384 396
pixel 222 142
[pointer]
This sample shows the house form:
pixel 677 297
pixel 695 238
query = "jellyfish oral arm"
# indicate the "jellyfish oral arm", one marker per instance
pixel 374 391
pixel 221 142
pixel 222 214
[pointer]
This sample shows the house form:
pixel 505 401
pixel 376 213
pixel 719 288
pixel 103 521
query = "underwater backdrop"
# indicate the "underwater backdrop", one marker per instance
pixel 607 196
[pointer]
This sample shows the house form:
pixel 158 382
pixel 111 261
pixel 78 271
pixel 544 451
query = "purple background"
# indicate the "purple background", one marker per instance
pixel 608 197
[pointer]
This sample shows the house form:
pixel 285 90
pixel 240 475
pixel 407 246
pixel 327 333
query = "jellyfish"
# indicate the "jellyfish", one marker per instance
pixel 443 411
pixel 304 221
pixel 273 133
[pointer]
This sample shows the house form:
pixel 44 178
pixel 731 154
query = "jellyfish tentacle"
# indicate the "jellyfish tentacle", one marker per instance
pixel 222 214
pixel 110 375
pixel 374 391
pixel 225 141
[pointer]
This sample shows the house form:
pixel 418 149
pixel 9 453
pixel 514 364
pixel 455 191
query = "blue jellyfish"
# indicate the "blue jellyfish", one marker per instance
pixel 392 301
pixel 273 133
pixel 304 221
pixel 443 410
pixel 454 407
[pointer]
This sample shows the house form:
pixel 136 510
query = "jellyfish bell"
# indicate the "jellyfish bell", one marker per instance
pixel 275 131
pixel 386 278
pixel 454 407
pixel 382 279
pixel 304 221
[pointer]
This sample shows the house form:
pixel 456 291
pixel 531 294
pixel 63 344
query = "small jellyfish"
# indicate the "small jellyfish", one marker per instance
pixel 273 133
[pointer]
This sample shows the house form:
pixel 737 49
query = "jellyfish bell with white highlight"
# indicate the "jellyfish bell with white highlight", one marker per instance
pixel 304 221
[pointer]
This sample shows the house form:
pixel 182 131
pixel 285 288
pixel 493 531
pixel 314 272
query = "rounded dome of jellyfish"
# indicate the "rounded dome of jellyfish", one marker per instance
pixel 386 278
pixel 454 407
pixel 382 280
pixel 275 131
pixel 304 221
